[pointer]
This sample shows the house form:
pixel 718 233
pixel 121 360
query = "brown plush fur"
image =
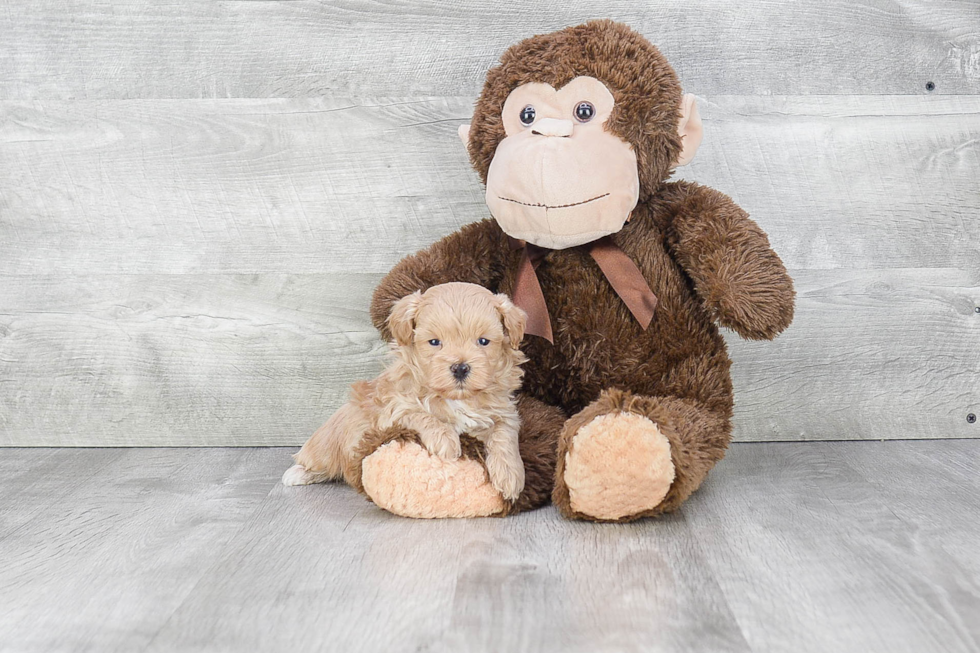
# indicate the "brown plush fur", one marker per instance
pixel 698 439
pixel 701 254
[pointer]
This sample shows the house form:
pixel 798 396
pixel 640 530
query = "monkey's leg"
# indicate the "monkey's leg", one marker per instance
pixel 393 469
pixel 628 456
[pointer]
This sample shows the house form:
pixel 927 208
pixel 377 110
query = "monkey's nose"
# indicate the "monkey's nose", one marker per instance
pixel 459 370
pixel 552 127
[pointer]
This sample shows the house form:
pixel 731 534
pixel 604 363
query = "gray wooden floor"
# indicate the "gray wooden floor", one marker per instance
pixel 830 546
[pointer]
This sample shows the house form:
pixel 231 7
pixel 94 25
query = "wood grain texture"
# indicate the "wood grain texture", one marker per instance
pixel 871 354
pixel 939 486
pixel 532 583
pixel 35 481
pixel 188 49
pixel 340 185
pixel 178 268
pixel 851 182
pixel 257 338
pixel 327 569
pixel 193 360
pixel 861 547
pixel 324 185
pixel 117 541
pixel 206 360
pixel 812 556
pixel 630 589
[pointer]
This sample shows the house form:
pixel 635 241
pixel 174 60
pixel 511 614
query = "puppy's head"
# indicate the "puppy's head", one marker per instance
pixel 460 339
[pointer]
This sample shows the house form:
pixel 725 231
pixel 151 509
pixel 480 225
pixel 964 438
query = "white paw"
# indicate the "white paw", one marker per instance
pixel 298 475
pixel 445 446
pixel 506 475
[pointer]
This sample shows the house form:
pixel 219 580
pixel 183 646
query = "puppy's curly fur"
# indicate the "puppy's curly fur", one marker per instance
pixel 455 368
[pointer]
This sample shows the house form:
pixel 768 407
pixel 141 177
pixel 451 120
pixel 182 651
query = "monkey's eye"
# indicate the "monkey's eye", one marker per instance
pixel 435 342
pixel 483 342
pixel 584 111
pixel 527 115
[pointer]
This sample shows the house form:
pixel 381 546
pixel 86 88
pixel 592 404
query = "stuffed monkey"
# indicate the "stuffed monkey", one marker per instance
pixel 627 398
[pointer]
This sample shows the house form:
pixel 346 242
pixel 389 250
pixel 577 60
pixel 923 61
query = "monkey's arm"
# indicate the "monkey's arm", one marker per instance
pixel 738 276
pixel 473 254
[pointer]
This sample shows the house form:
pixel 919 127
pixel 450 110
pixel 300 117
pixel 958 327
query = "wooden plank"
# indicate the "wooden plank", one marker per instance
pixel 323 185
pixel 290 194
pixel 539 583
pixel 933 489
pixel 104 567
pixel 848 547
pixel 17 462
pixel 208 360
pixel 812 557
pixel 871 354
pixel 320 567
pixel 341 185
pixel 193 360
pixel 851 182
pixel 188 49
pixel 372 582
pixel 35 481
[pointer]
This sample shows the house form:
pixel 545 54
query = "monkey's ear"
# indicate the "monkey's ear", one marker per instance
pixel 689 128
pixel 401 322
pixel 464 135
pixel 513 318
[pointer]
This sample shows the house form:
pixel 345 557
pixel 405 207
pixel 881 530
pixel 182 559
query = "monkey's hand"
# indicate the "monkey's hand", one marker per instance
pixel 738 276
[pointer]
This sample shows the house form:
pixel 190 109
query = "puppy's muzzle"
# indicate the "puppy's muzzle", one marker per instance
pixel 460 371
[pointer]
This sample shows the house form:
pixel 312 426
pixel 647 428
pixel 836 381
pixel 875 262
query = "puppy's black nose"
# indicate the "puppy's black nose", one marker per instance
pixel 459 370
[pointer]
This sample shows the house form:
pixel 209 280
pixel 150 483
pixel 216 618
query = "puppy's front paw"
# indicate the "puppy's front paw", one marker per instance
pixel 506 475
pixel 448 448
pixel 444 445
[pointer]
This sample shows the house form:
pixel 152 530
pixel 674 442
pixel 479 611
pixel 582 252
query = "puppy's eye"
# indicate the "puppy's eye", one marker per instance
pixel 483 342
pixel 527 115
pixel 435 342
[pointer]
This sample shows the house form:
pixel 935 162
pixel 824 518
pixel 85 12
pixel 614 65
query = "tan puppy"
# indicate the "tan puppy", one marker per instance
pixel 455 368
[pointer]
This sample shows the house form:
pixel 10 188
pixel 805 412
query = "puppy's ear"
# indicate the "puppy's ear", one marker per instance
pixel 513 318
pixel 401 322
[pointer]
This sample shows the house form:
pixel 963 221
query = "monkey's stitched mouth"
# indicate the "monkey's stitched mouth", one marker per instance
pixel 559 206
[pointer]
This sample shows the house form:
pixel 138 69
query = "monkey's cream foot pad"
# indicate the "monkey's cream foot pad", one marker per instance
pixel 619 465
pixel 403 478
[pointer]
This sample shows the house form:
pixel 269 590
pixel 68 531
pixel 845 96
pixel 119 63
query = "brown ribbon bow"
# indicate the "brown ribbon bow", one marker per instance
pixel 621 272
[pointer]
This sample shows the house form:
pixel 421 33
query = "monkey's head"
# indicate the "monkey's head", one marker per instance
pixel 573 128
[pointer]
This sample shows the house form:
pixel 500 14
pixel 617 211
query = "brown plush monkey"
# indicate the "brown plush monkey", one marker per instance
pixel 627 398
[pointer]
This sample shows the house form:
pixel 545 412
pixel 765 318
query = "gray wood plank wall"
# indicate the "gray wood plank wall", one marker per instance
pixel 196 200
